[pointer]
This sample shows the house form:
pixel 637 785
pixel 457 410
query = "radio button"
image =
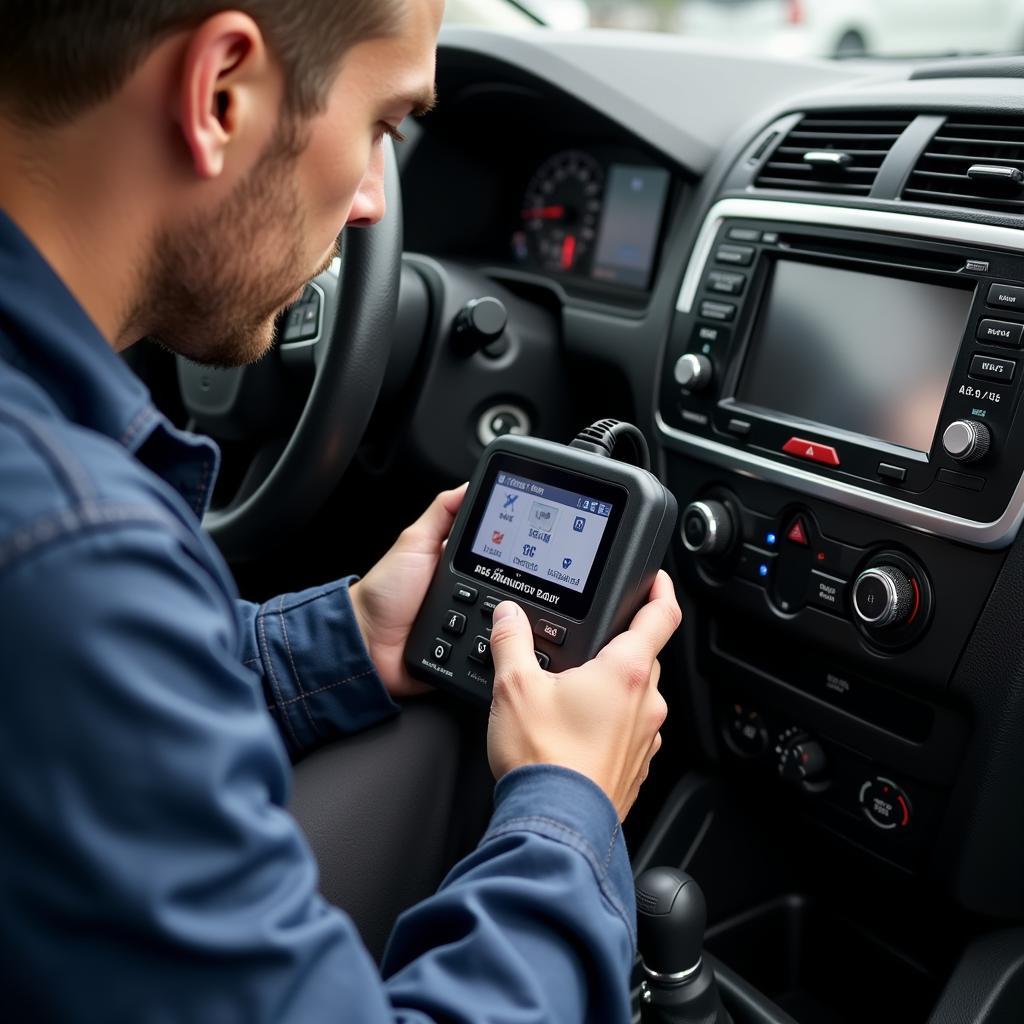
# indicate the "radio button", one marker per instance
pixel 1000 332
pixel 738 255
pixel 811 450
pixel 717 310
pixel 550 631
pixel 738 427
pixel 1006 296
pixel 744 234
pixel 990 368
pixel 726 282
pixel 710 334
pixel 895 473
pixel 828 592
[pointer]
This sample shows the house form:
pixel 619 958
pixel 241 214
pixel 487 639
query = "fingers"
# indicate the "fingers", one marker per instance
pixel 635 651
pixel 436 522
pixel 511 646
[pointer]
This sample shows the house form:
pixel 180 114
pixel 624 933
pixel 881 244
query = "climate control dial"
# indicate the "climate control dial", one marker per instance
pixel 707 528
pixel 883 596
pixel 693 372
pixel 967 440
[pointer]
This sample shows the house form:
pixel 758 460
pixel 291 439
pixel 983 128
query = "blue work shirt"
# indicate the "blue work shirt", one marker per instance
pixel 148 868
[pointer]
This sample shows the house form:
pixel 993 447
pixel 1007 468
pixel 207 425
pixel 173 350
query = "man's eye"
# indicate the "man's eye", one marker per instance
pixel 384 128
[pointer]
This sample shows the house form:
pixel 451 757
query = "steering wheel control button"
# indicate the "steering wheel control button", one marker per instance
pixel 726 282
pixel 885 805
pixel 542 659
pixel 990 368
pixel 465 594
pixel 693 372
pixel 827 592
pixel 441 651
pixel 550 631
pixel 481 650
pixel 737 255
pixel 966 440
pixel 1006 296
pixel 500 421
pixel 1000 332
pixel 811 451
pixel 707 528
pixel 481 324
pixel 883 596
pixel 717 310
pixel 755 565
pixel 454 623
pixel 897 474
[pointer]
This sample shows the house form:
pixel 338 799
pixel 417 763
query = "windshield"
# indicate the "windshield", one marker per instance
pixel 787 28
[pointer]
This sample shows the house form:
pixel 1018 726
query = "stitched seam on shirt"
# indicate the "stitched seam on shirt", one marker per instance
pixel 322 592
pixel 580 844
pixel 88 515
pixel 295 671
pixel 611 847
pixel 329 686
pixel 136 424
pixel 49 446
pixel 261 630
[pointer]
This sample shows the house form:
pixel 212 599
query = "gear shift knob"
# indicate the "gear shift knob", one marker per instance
pixel 671 915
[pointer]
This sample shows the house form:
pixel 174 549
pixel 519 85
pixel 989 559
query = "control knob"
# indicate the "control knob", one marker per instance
pixel 707 528
pixel 693 372
pixel 883 596
pixel 802 760
pixel 967 440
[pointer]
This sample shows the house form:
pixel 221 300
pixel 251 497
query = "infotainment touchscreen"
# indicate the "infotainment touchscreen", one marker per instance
pixel 865 353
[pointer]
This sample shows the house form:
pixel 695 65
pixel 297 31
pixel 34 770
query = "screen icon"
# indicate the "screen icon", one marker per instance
pixel 501 479
pixel 510 500
pixel 497 537
pixel 579 523
pixel 566 562
pixel 529 550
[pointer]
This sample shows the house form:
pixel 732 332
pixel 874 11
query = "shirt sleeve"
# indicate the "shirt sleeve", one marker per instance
pixel 318 680
pixel 146 848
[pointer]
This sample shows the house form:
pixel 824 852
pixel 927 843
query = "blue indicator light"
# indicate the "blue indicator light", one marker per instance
pixel 770 539
pixel 762 570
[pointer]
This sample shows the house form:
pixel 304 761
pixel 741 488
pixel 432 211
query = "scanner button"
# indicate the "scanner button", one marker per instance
pixel 481 650
pixel 488 605
pixel 467 595
pixel 454 622
pixel 542 659
pixel 550 631
pixel 440 651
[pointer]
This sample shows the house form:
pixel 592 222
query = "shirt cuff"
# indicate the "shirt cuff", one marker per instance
pixel 319 679
pixel 569 808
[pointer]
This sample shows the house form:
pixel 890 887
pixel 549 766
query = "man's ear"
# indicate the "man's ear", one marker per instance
pixel 228 93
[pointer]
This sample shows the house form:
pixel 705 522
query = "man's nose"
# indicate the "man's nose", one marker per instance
pixel 369 204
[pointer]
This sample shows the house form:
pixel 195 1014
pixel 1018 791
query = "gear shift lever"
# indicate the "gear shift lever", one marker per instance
pixel 671 914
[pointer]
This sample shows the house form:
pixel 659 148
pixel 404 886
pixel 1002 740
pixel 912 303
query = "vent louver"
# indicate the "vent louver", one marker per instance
pixel 838 152
pixel 972 161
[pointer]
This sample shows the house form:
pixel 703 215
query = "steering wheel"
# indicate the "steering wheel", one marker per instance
pixel 292 474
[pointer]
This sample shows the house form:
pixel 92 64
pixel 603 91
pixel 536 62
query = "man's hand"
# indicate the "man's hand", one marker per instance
pixel 388 597
pixel 601 719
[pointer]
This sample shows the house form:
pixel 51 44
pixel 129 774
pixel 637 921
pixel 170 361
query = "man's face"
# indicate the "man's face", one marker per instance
pixel 217 283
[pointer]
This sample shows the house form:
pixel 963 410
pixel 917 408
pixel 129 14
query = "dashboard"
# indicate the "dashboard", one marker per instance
pixel 805 282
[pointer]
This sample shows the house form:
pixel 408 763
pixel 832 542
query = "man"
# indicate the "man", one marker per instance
pixel 179 169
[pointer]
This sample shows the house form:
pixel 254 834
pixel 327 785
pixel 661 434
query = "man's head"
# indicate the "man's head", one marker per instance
pixel 239 140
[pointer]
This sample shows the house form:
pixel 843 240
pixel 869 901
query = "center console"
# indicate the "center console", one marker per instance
pixel 838 403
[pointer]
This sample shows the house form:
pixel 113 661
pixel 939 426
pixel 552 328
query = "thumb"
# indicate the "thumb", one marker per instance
pixel 436 522
pixel 511 641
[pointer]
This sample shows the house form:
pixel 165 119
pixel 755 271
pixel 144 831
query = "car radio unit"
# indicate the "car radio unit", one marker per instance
pixel 574 536
pixel 856 355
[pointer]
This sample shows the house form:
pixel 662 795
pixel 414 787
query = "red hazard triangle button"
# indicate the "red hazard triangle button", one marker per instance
pixel 798 533
pixel 802 449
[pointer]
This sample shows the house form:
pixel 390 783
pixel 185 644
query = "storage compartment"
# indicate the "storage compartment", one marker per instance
pixel 822 968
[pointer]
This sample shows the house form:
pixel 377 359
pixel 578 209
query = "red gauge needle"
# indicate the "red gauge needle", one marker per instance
pixel 544 213
pixel 568 252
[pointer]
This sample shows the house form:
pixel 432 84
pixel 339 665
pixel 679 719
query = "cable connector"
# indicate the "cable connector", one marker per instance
pixel 602 437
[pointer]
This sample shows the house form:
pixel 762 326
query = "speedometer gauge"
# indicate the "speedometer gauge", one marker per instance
pixel 561 210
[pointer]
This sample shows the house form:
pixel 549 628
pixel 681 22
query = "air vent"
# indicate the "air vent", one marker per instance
pixel 972 161
pixel 834 152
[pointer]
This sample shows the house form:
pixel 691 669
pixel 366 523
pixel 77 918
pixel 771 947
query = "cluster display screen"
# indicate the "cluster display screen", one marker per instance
pixel 542 533
pixel 861 352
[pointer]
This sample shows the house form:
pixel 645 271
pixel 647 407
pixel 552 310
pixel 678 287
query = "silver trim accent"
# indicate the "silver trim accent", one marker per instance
pixel 995 534
pixel 891 608
pixel 700 371
pixel 827 158
pixel 485 435
pixel 887 221
pixel 679 978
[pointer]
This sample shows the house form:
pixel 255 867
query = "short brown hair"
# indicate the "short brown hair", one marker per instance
pixel 64 56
